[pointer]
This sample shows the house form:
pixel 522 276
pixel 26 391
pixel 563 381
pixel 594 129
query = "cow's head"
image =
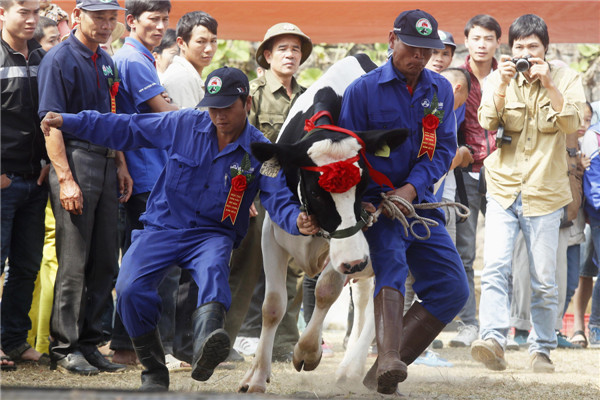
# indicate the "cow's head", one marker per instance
pixel 331 179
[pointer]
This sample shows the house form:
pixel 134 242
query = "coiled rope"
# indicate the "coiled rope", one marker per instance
pixel 388 205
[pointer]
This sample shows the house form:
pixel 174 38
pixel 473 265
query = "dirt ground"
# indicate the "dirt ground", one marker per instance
pixel 577 376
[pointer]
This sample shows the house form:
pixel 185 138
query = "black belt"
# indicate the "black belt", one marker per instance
pixel 94 148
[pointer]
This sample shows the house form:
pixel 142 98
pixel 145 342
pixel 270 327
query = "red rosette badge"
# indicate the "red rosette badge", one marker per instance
pixel 241 176
pixel 430 123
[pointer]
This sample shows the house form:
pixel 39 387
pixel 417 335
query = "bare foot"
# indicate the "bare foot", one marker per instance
pixel 127 357
pixel 31 354
pixel 105 350
pixel 5 361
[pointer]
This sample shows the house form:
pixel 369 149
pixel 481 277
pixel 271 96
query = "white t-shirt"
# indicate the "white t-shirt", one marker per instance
pixel 183 83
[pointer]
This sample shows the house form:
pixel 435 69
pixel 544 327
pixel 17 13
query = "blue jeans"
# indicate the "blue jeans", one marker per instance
pixel 595 315
pixel 573 261
pixel 23 205
pixel 541 238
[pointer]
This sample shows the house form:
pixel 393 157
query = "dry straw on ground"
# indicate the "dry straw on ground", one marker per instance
pixel 577 376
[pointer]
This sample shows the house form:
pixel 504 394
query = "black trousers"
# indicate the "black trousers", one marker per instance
pixel 85 248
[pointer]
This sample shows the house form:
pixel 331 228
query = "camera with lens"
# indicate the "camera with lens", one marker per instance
pixel 522 64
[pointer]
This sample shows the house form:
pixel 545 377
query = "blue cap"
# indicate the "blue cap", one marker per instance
pixel 98 5
pixel 223 87
pixel 417 28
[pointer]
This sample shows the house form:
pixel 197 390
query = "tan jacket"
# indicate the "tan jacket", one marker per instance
pixel 271 104
pixel 534 164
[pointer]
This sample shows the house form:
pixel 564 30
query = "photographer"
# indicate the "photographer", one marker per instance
pixel 527 186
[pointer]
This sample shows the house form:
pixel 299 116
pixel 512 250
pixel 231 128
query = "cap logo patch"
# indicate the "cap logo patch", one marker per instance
pixel 106 1
pixel 214 85
pixel 442 35
pixel 424 27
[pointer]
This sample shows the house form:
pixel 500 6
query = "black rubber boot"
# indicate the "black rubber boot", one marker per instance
pixel 150 352
pixel 211 341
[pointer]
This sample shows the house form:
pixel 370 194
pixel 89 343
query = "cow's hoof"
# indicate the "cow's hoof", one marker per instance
pixel 252 389
pixel 302 360
pixel 344 378
pixel 255 381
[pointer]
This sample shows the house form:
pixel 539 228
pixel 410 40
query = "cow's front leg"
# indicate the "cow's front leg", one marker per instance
pixel 308 350
pixel 363 331
pixel 275 261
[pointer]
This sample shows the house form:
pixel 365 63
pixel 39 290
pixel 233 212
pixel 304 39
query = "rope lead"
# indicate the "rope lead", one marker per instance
pixel 388 205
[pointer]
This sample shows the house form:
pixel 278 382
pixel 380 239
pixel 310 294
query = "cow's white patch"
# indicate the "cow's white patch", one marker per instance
pixel 337 77
pixel 327 151
pixel 352 249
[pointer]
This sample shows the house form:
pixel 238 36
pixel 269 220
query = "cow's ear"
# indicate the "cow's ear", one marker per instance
pixel 266 151
pixel 375 140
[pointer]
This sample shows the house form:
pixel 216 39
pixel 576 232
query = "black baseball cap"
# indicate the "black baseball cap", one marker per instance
pixel 223 87
pixel 98 5
pixel 417 28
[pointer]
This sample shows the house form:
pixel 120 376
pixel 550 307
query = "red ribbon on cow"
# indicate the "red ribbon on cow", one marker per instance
pixel 377 176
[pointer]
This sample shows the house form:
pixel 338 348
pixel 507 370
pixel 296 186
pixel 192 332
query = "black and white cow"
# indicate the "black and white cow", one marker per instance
pixel 326 168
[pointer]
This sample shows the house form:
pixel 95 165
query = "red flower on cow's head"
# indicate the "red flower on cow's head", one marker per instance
pixel 339 177
pixel 430 122
pixel 238 183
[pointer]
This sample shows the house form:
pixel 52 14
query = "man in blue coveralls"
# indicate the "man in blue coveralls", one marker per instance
pixel 140 92
pixel 197 212
pixel 403 94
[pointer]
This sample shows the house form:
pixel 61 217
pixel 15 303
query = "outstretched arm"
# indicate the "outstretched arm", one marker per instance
pixel 121 131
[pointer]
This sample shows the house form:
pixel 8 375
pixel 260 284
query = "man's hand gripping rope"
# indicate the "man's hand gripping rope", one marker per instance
pixel 390 208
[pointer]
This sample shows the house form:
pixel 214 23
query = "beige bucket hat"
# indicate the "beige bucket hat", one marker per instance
pixel 283 28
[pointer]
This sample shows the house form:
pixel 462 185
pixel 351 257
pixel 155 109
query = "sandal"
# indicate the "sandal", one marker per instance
pixel 16 355
pixel 579 338
pixel 175 365
pixel 7 367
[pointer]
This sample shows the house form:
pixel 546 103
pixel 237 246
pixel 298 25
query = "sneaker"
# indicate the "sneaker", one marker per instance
pixel 327 350
pixel 540 362
pixel 490 353
pixel 432 359
pixel 594 339
pixel 521 337
pixel 246 345
pixel 467 334
pixel 564 343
